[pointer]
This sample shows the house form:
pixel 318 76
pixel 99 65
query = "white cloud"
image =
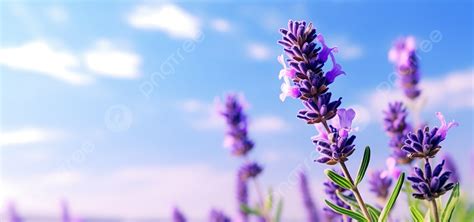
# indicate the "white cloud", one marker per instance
pixel 348 50
pixel 39 57
pixel 220 25
pixel 193 106
pixel 27 136
pixel 168 18
pixel 268 124
pixel 57 14
pixel 258 51
pixel 105 59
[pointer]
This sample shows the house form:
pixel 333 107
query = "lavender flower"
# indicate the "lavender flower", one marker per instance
pixel 338 145
pixel 178 216
pixel 242 196
pixel 397 128
pixel 331 190
pixel 65 216
pixel 236 139
pixel 451 167
pixel 249 170
pixel 403 56
pixel 379 183
pixel 310 82
pixel 311 211
pixel 12 214
pixel 432 183
pixel 218 216
pixel 426 143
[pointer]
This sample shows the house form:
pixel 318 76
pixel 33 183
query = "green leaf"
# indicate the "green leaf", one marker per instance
pixel 373 215
pixel 279 209
pixel 351 201
pixel 352 214
pixel 373 210
pixel 338 179
pixel 363 165
pixel 416 214
pixel 453 199
pixel 427 215
pixel 393 197
pixel 267 206
pixel 248 210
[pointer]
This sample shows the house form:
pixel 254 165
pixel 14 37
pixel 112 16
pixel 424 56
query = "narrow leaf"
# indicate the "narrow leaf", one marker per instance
pixel 338 179
pixel 279 209
pixel 352 214
pixel 453 199
pixel 351 201
pixel 363 165
pixel 393 197
pixel 416 214
pixel 373 215
pixel 248 210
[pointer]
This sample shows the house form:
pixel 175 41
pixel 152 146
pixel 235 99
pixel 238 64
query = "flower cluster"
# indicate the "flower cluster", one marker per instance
pixel 218 216
pixel 432 183
pixel 379 183
pixel 397 128
pixel 304 77
pixel 403 56
pixel 236 138
pixel 310 207
pixel 331 189
pixel 425 143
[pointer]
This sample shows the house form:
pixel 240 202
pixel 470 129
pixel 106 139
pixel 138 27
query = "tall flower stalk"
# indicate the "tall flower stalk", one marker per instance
pixel 309 205
pixel 304 78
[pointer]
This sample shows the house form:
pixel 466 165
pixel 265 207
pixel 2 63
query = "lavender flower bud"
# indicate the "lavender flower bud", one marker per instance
pixel 12 214
pixel 249 170
pixel 379 183
pixel 311 211
pixel 218 216
pixel 319 110
pixel 178 216
pixel 431 183
pixel 403 56
pixel 397 129
pixel 236 139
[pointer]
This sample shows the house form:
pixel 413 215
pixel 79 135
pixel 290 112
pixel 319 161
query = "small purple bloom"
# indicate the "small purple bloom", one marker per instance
pixel 311 211
pixel 431 183
pixel 236 138
pixel 403 56
pixel 425 143
pixel 393 170
pixel 218 216
pixel 250 170
pixel 379 183
pixel 319 110
pixel 178 216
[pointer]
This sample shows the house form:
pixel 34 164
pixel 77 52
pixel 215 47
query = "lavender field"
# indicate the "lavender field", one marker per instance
pixel 242 111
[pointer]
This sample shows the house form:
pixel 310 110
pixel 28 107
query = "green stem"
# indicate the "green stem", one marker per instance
pixel 354 189
pixel 434 206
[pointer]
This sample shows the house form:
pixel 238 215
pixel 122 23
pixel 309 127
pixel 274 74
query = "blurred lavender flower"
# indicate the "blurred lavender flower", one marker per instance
pixel 403 56
pixel 331 190
pixel 337 145
pixel 451 167
pixel 432 183
pixel 397 128
pixel 178 216
pixel 236 139
pixel 65 216
pixel 311 211
pixel 310 82
pixel 242 197
pixel 426 143
pixel 379 183
pixel 218 216
pixel 249 170
pixel 12 214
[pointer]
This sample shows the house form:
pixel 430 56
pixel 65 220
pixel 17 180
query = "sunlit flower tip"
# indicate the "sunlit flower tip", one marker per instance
pixel 346 116
pixel 250 170
pixel 285 72
pixel 392 169
pixel 379 183
pixel 178 216
pixel 288 90
pixel 431 183
pixel 322 133
pixel 321 110
pixel 218 216
pixel 325 51
pixel 443 129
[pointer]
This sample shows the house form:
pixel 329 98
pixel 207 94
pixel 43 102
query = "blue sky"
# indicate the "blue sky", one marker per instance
pixel 116 99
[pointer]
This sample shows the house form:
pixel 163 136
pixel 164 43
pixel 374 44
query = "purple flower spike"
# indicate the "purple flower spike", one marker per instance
pixel 397 128
pixel 236 139
pixel 178 216
pixel 12 214
pixel 250 170
pixel 311 211
pixel 425 143
pixel 403 56
pixel 242 197
pixel 379 183
pixel 331 189
pixel 319 110
pixel 218 216
pixel 431 183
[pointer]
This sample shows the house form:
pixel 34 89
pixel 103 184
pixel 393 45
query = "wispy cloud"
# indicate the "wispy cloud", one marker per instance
pixel 258 51
pixel 268 124
pixel 168 18
pixel 348 50
pixel 57 14
pixel 108 60
pixel 27 136
pixel 41 58
pixel 220 25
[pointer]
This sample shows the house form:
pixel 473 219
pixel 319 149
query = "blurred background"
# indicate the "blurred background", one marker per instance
pixel 109 105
